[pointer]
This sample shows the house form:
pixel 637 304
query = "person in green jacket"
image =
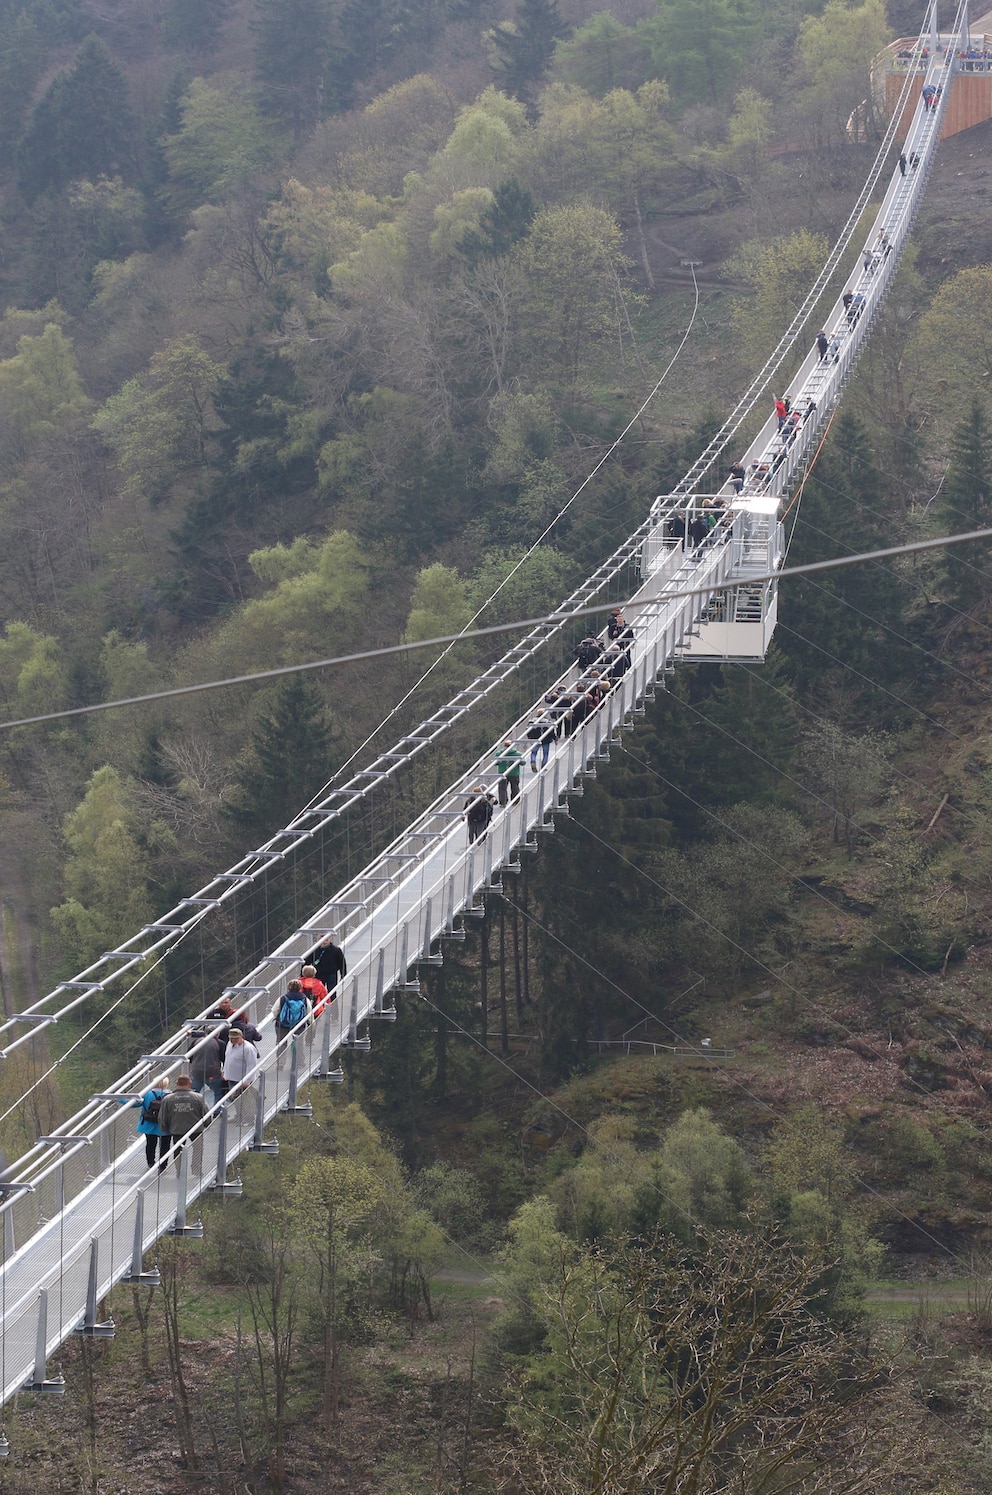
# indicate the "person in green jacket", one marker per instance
pixel 508 766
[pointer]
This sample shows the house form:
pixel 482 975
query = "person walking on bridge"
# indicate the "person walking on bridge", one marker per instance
pixel 328 960
pixel 149 1122
pixel 181 1113
pixel 240 1061
pixel 508 766
pixel 822 343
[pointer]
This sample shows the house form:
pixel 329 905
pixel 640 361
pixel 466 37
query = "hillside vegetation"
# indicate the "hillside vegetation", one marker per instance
pixel 315 314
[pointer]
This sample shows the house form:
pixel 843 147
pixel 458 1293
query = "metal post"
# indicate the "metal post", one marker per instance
pixel 292 1106
pixel 405 984
pixel 384 1014
pixel 90 1326
pixel 353 1041
pixel 136 1275
pixel 9 1244
pixel 53 1384
pixel 220 1184
pixel 258 1144
pixel 426 958
pixel 181 1227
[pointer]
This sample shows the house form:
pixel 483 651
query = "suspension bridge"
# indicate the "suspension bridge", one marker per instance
pixel 80 1209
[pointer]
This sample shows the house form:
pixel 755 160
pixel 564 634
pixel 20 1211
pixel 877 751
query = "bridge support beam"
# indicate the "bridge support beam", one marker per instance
pixel 258 1142
pixel 181 1227
pixel 221 1185
pixel 293 1106
pixel 91 1327
pixel 137 1275
pixel 54 1385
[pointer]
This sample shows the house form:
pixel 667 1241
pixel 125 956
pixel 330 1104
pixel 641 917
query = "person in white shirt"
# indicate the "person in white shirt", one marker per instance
pixel 240 1060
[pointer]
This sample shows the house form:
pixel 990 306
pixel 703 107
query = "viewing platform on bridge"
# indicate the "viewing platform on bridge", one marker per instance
pixel 970 102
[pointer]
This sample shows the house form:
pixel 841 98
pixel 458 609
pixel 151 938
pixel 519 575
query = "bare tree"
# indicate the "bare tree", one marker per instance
pixel 688 1373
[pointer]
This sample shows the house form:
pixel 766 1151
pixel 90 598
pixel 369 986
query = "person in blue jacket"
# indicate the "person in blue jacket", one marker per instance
pixel 148 1126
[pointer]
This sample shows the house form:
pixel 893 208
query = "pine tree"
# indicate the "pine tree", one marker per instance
pixel 194 25
pixel 503 224
pixel 81 126
pixel 849 617
pixel 369 33
pixel 525 47
pixel 22 56
pixel 967 505
pixel 292 50
pixel 288 760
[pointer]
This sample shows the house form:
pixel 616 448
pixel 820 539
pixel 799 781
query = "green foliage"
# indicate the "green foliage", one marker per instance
pixel 779 274
pixel 503 223
pixel 439 604
pixel 952 343
pixel 846 617
pixel 657 1366
pixel 702 1176
pixel 482 148
pixel 612 1189
pixel 222 143
pixel 454 1198
pixel 41 394
pixel 604 55
pixel 573 267
pixel 32 672
pixel 909 923
pixel 159 424
pixel 847 772
pixel 838 49
pixel 731 895
pixel 700 46
pixel 80 127
pixel 107 870
pixel 536 587
pixel 22 57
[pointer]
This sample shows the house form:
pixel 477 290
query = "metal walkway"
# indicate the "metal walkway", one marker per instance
pixel 81 1208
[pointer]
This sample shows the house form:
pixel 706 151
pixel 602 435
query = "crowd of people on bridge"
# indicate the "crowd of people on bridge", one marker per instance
pixel 224 1053
pixel 601 664
pixel 972 59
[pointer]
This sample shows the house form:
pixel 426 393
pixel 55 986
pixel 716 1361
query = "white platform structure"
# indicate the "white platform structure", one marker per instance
pixel 81 1210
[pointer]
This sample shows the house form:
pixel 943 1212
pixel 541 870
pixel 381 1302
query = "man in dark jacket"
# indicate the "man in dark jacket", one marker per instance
pixel 179 1114
pixel 205 1064
pixel 328 960
pixel 588 652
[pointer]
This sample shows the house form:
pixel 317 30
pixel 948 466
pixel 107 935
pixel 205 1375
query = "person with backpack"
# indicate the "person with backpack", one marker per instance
pixel 478 813
pixel 149 1122
pixel 291 1009
pixel 315 989
pixel 180 1113
pixel 240 1061
pixel 587 653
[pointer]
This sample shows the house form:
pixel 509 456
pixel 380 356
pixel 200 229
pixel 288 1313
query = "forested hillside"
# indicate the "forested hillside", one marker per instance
pixel 315 315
